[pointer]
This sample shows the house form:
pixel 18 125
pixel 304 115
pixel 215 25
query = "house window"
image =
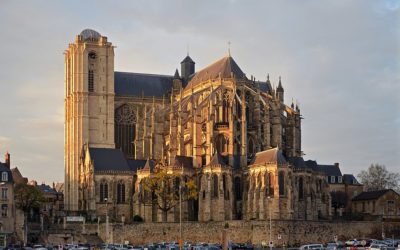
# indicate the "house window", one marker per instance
pixel 4 210
pixel 339 179
pixel 332 179
pixel 4 176
pixel 4 192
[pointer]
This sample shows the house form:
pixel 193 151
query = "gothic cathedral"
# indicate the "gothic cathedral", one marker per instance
pixel 233 135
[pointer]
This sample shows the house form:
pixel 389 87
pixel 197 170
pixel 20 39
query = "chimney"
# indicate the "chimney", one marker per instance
pixel 7 159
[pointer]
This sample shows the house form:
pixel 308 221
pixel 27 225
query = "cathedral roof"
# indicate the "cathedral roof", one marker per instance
pixel 225 67
pixel 273 155
pixel 150 164
pixel 134 165
pixel 136 84
pixel 217 160
pixel 108 159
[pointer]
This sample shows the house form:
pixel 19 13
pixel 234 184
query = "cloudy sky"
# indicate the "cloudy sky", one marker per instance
pixel 339 59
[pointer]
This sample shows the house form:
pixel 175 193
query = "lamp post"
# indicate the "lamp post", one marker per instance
pixel 107 229
pixel 270 222
pixel 180 215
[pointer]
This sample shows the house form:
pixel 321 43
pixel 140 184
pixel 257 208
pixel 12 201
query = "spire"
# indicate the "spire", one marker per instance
pixel 229 48
pixel 280 84
pixel 176 75
pixel 268 77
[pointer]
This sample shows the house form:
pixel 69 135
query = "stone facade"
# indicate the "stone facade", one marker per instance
pixel 293 232
pixel 382 204
pixel 234 135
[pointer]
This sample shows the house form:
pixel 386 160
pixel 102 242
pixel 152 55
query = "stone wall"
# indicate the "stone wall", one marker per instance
pixel 293 232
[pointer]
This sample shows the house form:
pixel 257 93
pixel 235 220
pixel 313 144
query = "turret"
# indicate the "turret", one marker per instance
pixel 280 91
pixel 176 83
pixel 187 68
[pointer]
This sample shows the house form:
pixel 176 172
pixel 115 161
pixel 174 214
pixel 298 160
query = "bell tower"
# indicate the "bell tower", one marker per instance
pixel 89 104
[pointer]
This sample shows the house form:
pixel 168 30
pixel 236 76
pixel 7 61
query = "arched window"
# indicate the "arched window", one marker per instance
pixel 221 144
pixel 238 189
pixel 224 186
pixel 91 61
pixel 281 182
pixel 271 184
pixel 120 192
pixel 250 147
pixel 125 129
pixel 225 110
pixel 215 185
pixel 301 191
pixel 103 191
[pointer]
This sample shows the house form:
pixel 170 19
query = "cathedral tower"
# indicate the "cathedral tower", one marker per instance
pixel 89 104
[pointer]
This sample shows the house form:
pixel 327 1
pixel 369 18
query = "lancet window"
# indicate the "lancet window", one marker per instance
pixel 125 130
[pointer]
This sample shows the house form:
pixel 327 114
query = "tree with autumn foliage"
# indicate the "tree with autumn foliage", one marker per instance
pixel 162 190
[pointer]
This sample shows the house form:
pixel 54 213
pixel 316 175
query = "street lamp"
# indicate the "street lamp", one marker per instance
pixel 270 222
pixel 107 230
pixel 180 215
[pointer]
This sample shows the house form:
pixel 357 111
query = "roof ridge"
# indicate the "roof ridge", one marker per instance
pixel 145 74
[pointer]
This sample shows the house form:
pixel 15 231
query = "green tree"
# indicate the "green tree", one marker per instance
pixel 28 197
pixel 377 177
pixel 162 190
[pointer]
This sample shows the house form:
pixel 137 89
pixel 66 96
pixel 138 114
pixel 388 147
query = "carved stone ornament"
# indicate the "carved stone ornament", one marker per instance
pixel 125 114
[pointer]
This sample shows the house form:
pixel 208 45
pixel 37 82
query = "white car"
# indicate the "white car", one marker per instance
pixel 375 246
pixel 312 246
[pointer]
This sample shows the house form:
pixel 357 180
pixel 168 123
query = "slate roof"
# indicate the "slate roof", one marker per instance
pixel 330 170
pixel 134 165
pixel 187 59
pixel 134 84
pixel 350 179
pixel 4 168
pixel 47 189
pixel 371 195
pixel 298 162
pixel 108 159
pixel 265 86
pixel 217 159
pixel 223 67
pixel 273 155
pixel 149 165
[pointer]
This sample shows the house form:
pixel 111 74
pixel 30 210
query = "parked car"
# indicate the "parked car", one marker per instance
pixel 312 246
pixel 378 246
pixel 331 246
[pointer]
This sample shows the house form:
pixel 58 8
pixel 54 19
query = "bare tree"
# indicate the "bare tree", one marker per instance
pixel 162 190
pixel 377 177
